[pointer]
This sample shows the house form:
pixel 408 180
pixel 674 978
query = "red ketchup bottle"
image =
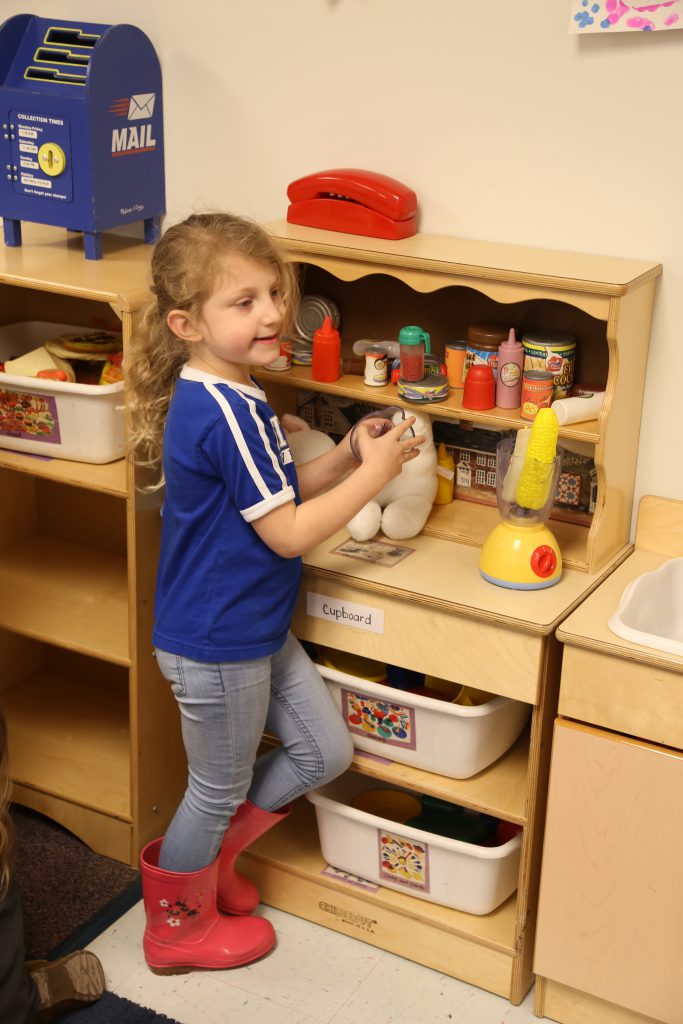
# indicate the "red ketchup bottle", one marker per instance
pixel 326 353
pixel 413 344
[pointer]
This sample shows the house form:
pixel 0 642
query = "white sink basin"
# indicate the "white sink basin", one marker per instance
pixel 651 609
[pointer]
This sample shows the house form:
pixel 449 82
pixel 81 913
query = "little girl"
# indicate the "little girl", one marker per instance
pixel 236 519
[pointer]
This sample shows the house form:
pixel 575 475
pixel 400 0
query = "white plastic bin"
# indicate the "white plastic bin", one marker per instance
pixel 475 879
pixel 436 735
pixel 82 422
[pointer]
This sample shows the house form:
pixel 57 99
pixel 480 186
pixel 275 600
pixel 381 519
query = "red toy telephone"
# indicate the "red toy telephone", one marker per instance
pixel 352 200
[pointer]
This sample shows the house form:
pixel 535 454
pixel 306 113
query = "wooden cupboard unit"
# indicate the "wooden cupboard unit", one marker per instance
pixel 439 616
pixel 432 612
pixel 445 284
pixel 93 729
pixel 610 927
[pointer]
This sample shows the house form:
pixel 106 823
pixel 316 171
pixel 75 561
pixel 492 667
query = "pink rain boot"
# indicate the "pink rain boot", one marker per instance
pixel 236 894
pixel 184 930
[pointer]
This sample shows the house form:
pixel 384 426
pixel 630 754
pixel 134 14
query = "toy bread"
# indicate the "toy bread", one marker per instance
pixel 38 361
pixel 85 345
pixel 535 479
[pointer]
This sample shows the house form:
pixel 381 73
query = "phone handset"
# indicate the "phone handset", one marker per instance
pixel 353 200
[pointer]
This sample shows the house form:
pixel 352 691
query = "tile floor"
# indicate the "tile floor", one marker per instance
pixel 313 976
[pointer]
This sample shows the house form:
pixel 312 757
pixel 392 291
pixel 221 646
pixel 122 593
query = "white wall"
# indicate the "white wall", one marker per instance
pixel 507 127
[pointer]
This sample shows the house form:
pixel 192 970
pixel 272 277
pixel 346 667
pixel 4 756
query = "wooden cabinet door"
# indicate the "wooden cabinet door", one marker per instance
pixel 611 902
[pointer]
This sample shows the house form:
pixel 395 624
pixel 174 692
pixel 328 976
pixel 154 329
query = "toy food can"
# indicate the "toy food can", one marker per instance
pixel 483 342
pixel 537 392
pixel 455 353
pixel 311 315
pixel 553 352
pixel 375 368
pixel 432 388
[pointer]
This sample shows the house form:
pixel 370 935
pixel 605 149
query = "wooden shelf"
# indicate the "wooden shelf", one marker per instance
pixel 351 386
pixel 68 595
pixel 470 259
pixel 464 522
pixel 52 260
pixel 467 522
pixel 293 847
pixel 109 478
pixel 500 790
pixel 94 734
pixel 69 738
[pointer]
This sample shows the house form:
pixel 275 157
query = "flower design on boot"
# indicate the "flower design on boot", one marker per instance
pixel 178 910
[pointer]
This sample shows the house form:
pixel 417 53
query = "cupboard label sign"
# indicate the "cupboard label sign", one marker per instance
pixel 345 613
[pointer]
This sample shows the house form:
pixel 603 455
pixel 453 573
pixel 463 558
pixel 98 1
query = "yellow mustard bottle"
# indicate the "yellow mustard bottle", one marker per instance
pixel 445 476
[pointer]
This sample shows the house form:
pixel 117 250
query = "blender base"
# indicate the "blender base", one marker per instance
pixel 521 557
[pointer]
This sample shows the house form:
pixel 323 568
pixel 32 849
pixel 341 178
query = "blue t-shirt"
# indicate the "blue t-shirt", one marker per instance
pixel 222 594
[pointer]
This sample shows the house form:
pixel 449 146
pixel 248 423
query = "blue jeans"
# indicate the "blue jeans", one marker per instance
pixel 224 708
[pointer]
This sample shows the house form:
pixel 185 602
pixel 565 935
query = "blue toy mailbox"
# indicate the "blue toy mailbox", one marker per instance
pixel 82 128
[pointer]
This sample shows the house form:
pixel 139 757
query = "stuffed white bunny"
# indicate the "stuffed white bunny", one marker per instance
pixel 304 442
pixel 401 508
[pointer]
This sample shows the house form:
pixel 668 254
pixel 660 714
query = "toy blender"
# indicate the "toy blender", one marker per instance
pixel 521 553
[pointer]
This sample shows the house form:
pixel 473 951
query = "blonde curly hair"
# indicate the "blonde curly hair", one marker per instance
pixel 6 830
pixel 187 264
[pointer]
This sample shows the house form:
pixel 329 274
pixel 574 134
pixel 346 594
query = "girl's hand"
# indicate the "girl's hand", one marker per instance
pixel 386 453
pixel 349 448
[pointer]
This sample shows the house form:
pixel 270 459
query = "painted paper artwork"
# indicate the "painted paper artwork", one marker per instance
pixel 625 16
pixel 403 860
pixel 379 720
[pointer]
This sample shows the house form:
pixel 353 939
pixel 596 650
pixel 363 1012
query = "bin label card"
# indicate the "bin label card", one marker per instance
pixel 345 613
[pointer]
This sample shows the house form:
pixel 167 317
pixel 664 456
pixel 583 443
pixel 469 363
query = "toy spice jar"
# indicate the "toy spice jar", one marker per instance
pixel 413 345
pixel 483 342
pixel 552 352
pixel 375 373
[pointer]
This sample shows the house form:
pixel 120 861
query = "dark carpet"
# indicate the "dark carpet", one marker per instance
pixel 111 1009
pixel 69 894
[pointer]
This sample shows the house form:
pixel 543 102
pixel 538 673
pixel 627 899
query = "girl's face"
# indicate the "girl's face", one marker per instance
pixel 239 324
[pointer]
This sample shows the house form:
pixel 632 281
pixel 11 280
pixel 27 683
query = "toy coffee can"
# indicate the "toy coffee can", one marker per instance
pixel 432 388
pixel 537 392
pixel 554 352
pixel 455 353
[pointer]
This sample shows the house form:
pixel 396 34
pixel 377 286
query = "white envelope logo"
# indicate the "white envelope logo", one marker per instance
pixel 141 106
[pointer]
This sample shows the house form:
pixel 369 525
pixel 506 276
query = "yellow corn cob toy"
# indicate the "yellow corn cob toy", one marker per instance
pixel 536 476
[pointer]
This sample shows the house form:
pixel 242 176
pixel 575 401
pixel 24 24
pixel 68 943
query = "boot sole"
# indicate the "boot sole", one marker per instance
pixel 68 983
pixel 185 968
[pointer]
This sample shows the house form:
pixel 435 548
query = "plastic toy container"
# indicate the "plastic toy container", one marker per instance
pixel 81 422
pixel 436 735
pixel 453 873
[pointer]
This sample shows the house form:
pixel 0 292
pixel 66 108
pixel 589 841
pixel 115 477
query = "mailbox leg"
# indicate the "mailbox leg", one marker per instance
pixel 12 230
pixel 93 245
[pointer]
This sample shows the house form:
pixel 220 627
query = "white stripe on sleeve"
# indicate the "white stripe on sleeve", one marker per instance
pixel 242 445
pixel 266 443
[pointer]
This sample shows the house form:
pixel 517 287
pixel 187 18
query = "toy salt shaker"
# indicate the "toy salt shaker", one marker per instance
pixel 375 367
